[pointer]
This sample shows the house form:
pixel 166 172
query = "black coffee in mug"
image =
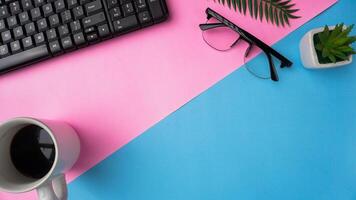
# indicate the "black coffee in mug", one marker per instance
pixel 32 151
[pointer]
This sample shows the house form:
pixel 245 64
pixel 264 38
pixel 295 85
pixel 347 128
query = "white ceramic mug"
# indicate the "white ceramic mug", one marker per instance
pixel 51 186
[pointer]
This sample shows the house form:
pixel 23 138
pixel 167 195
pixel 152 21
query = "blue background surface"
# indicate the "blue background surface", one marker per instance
pixel 247 138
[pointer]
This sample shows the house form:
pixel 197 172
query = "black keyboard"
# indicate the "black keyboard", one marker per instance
pixel 35 30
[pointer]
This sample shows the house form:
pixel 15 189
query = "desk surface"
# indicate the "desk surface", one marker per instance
pixel 247 139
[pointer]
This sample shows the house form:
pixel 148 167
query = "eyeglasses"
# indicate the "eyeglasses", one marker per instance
pixel 222 35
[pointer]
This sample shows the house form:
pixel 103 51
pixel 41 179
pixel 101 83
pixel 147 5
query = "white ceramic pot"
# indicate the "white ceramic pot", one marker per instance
pixel 308 52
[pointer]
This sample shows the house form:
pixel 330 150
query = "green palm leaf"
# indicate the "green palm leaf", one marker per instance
pixel 278 12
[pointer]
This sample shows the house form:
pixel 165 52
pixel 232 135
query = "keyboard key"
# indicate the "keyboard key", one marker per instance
pixel 128 9
pixel 11 22
pixel 103 30
pixel 96 19
pixel 112 3
pixel 92 37
pixel 93 7
pixel 67 43
pixel 4 12
pixel 54 47
pixel 26 4
pixel 125 24
pixel 82 2
pixel 6 37
pixel 4 51
pixel 144 18
pixel 115 13
pixel 141 5
pixel 90 29
pixel 39 39
pixel 18 32
pixel 30 28
pixel 75 26
pixel 63 30
pixel 66 17
pixel 47 10
pixel 156 10
pixel 59 6
pixel 15 46
pixel 79 39
pixel 72 3
pixel 124 1
pixel 39 3
pixel 35 14
pixel 54 20
pixel 15 8
pixel 78 12
pixel 51 34
pixel 23 57
pixel 27 43
pixel 42 24
pixel 2 25
pixel 24 18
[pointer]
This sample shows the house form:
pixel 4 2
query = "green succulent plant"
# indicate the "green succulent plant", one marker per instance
pixel 278 12
pixel 334 45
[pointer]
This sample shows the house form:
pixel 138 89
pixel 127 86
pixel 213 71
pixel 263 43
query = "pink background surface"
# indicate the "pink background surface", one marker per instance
pixel 112 92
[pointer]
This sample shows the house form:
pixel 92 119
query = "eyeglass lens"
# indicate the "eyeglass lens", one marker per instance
pixel 221 38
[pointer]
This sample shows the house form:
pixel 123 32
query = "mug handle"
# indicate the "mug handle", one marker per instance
pixel 55 189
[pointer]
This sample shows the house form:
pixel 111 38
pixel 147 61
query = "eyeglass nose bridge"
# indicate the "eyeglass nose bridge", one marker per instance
pixel 236 41
pixel 249 48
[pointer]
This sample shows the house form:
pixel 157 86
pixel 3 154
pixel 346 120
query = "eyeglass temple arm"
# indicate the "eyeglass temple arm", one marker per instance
pixel 272 68
pixel 206 26
pixel 249 37
pixel 268 50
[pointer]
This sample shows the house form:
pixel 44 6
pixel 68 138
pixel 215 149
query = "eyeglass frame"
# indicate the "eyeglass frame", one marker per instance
pixel 249 38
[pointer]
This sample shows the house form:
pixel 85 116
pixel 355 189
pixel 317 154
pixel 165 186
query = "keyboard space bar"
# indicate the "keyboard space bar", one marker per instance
pixel 23 58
